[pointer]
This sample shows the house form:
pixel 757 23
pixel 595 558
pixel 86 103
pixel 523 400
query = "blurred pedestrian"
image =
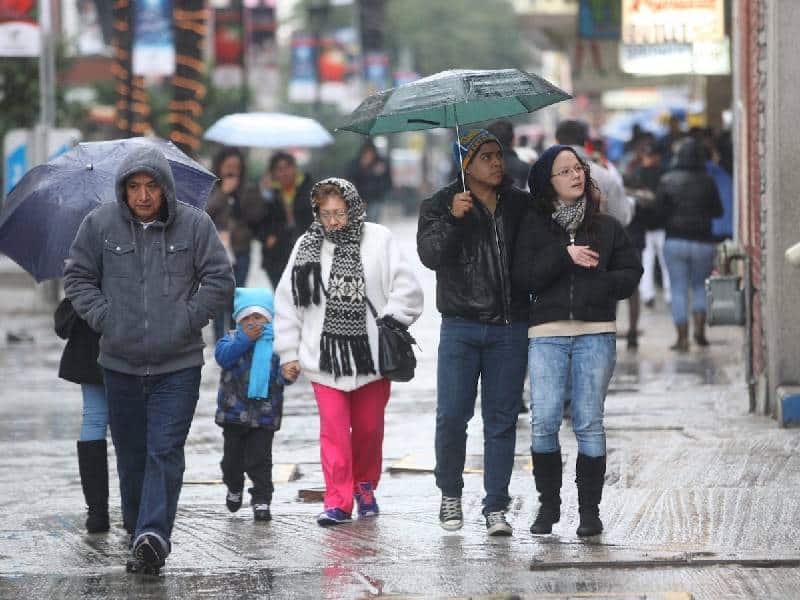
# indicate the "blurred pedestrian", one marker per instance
pixel 148 272
pixel 468 238
pixel 236 214
pixel 648 174
pixel 249 400
pixel 641 185
pixel 322 328
pixel 613 200
pixel 288 213
pixel 79 365
pixel 516 168
pixel 577 263
pixel 688 200
pixel 372 176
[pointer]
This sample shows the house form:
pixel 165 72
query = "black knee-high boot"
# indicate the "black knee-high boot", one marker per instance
pixel 93 467
pixel 547 475
pixel 590 474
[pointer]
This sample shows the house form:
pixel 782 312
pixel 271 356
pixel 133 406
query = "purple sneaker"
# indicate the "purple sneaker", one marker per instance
pixel 365 499
pixel 332 516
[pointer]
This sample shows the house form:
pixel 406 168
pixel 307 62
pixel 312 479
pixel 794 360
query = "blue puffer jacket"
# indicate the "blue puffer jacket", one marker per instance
pixel 234 353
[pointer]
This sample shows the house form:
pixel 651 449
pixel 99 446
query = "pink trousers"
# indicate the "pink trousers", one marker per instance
pixel 350 439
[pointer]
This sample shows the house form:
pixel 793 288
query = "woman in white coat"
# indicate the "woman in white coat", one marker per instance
pixel 324 328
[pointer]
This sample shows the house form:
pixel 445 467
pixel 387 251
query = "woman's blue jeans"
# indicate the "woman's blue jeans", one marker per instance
pixel 469 350
pixel 689 263
pixel 150 419
pixel 585 361
pixel 95 412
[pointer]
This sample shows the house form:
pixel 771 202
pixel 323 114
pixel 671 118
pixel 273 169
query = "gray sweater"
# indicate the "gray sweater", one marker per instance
pixel 148 291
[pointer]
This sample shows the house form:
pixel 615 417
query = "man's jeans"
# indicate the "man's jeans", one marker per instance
pixel 588 361
pixel 150 418
pixel 496 354
pixel 689 263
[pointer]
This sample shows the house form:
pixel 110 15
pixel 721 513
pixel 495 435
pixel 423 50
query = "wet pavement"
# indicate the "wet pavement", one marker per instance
pixel 701 498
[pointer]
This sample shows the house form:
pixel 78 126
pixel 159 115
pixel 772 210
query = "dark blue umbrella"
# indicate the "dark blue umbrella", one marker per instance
pixel 42 213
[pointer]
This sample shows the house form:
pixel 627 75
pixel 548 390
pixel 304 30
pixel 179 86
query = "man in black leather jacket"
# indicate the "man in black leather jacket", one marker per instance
pixel 467 237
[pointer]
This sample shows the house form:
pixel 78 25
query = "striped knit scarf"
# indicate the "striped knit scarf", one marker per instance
pixel 344 329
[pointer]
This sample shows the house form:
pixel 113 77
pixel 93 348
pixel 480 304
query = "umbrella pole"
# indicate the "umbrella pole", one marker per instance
pixel 460 158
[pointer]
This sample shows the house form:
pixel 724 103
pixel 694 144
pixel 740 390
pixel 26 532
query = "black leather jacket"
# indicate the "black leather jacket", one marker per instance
pixel 472 255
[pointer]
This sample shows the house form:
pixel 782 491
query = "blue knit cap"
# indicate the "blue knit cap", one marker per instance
pixel 542 169
pixel 469 143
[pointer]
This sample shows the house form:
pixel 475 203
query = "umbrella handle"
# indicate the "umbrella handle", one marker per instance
pixel 460 158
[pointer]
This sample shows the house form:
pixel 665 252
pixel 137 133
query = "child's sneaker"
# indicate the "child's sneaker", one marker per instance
pixel 261 512
pixel 233 501
pixel 332 516
pixel 365 499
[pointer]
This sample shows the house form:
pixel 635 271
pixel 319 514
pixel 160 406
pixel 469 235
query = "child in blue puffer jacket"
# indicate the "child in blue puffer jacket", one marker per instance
pixel 250 400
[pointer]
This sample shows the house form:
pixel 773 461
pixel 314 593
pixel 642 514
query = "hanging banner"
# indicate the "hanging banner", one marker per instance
pixel 599 19
pixel 672 21
pixel 303 78
pixel 153 39
pixel 228 36
pixel 262 56
pixel 19 28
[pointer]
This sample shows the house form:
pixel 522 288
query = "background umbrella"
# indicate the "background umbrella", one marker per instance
pixel 44 210
pixel 268 130
pixel 451 99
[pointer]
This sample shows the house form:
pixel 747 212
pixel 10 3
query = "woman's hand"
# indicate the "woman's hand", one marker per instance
pixel 291 370
pixel 583 256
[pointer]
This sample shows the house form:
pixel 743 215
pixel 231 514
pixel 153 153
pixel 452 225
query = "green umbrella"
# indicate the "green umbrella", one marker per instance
pixel 453 98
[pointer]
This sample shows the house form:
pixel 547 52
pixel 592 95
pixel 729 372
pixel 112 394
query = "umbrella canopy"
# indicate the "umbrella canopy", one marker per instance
pixel 42 213
pixel 268 130
pixel 453 98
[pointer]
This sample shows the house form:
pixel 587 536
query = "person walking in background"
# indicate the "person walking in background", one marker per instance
pixel 516 168
pixel 79 365
pixel 287 213
pixel 236 214
pixel 688 200
pixel 468 238
pixel 148 272
pixel 641 185
pixel 647 176
pixel 322 328
pixel 372 176
pixel 577 264
pixel 249 400
pixel 613 200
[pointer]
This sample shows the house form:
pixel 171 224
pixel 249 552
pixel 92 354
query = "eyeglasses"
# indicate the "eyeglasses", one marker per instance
pixel 577 170
pixel 336 215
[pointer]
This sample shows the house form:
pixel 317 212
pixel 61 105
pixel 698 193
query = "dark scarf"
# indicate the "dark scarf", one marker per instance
pixel 344 330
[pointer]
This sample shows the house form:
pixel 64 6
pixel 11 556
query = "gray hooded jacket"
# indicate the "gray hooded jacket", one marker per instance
pixel 148 291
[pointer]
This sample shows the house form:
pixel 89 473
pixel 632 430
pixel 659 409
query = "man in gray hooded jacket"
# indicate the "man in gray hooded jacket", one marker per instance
pixel 148 272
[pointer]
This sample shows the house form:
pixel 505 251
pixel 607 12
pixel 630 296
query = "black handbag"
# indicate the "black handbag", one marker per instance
pixel 396 358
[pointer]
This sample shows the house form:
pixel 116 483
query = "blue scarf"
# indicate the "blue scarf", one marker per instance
pixel 261 364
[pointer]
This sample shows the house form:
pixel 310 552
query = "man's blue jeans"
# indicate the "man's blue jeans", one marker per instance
pixel 150 418
pixel 496 354
pixel 689 263
pixel 587 361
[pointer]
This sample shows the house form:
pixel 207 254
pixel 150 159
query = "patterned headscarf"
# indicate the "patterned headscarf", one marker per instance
pixel 344 329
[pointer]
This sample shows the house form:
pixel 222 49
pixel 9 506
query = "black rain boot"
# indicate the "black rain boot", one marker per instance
pixel 547 475
pixel 590 475
pixel 93 467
